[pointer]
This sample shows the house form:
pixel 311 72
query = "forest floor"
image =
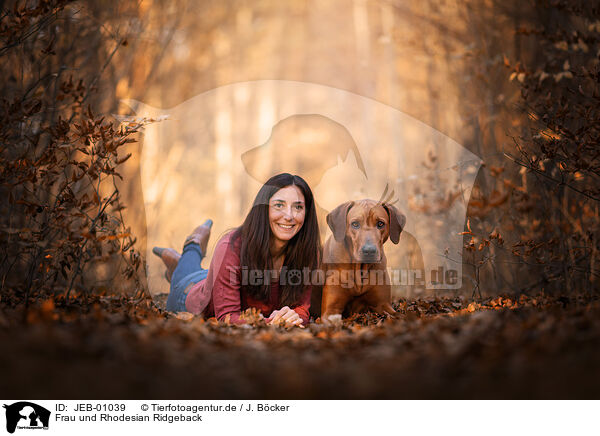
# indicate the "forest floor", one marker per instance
pixel 115 346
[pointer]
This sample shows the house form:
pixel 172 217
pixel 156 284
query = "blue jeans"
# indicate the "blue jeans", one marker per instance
pixel 188 270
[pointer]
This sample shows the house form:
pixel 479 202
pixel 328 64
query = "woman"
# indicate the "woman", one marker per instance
pixel 256 265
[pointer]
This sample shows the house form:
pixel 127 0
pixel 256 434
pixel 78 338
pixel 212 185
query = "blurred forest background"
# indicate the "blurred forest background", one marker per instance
pixel 515 82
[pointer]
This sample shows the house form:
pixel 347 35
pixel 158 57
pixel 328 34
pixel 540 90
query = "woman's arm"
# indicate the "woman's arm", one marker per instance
pixel 226 275
pixel 303 306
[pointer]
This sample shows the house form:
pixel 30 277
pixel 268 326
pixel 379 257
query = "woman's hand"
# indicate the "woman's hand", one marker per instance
pixel 286 317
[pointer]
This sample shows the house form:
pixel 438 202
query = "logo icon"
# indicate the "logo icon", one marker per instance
pixel 26 415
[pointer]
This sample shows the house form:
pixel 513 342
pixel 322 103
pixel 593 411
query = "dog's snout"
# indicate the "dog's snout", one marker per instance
pixel 369 250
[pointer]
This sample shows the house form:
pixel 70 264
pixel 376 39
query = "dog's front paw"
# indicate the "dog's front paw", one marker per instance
pixel 387 310
pixel 334 319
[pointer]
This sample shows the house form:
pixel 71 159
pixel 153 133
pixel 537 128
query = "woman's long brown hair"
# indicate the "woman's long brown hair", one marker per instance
pixel 302 251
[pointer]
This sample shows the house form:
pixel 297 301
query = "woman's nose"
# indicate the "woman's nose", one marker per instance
pixel 288 214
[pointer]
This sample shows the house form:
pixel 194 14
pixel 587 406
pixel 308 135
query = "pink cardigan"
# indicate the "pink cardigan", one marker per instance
pixel 220 293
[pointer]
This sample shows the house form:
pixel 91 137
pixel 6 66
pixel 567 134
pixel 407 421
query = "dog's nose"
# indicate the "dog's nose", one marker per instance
pixel 369 250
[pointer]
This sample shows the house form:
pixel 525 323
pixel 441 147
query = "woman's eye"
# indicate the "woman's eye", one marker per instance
pixel 355 224
pixel 278 205
pixel 380 224
pixel 299 207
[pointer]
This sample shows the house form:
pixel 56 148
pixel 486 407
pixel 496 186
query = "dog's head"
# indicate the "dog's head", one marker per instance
pixel 366 225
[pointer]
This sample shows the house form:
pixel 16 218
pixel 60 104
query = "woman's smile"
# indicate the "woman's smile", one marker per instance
pixel 286 226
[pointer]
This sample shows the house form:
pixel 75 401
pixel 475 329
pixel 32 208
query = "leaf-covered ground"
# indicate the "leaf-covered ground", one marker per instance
pixel 122 347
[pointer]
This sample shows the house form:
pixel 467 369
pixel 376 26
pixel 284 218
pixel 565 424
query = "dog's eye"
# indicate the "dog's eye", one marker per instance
pixel 380 224
pixel 355 225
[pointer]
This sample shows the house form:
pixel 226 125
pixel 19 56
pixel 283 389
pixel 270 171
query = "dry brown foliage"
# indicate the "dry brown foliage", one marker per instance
pixel 60 209
pixel 502 347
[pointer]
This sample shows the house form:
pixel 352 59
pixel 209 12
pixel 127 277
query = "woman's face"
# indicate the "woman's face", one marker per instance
pixel 286 213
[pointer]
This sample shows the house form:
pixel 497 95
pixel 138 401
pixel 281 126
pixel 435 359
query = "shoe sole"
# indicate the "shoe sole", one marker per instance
pixel 158 251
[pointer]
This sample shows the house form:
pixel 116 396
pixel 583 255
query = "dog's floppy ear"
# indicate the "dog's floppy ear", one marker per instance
pixel 397 221
pixel 336 220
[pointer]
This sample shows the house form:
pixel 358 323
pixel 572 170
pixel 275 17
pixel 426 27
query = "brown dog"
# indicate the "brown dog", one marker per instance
pixel 354 263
